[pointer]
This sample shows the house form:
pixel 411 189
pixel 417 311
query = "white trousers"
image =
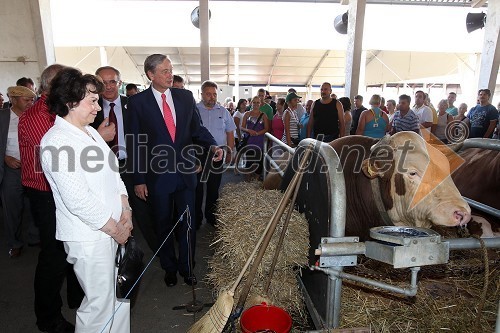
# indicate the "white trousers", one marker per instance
pixel 94 265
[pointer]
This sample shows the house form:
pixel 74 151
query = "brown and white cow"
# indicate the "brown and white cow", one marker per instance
pixel 478 178
pixel 413 181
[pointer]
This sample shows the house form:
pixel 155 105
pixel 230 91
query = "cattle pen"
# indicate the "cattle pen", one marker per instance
pixel 401 247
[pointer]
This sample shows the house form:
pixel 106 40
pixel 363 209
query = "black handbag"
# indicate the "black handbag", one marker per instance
pixel 244 141
pixel 130 266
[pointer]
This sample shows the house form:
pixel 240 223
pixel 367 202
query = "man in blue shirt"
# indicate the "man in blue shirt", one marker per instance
pixel 482 118
pixel 220 124
pixel 405 119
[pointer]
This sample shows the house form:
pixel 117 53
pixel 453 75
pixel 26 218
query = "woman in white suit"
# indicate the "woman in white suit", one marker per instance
pixel 92 209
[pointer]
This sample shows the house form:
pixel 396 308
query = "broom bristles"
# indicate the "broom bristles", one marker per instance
pixel 216 318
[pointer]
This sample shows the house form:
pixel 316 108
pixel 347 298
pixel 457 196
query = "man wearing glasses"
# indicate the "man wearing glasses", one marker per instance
pixel 113 123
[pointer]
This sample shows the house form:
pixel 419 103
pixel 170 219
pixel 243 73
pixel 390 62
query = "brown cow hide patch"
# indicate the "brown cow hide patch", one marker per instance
pixel 399 183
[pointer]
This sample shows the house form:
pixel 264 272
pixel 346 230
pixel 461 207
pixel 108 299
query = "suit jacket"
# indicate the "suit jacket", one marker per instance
pixel 157 160
pixel 4 132
pixel 126 128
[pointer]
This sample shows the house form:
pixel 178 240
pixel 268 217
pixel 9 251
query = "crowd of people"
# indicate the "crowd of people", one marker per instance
pixel 110 162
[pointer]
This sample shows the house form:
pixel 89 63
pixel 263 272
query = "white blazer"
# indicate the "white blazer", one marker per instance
pixel 84 178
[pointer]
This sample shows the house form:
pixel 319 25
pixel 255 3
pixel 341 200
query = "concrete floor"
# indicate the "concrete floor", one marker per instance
pixel 153 310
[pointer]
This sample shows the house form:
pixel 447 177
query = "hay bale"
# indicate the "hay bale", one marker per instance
pixel 447 298
pixel 244 211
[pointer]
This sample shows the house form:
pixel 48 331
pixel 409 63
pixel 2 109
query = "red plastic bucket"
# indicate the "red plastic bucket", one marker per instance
pixel 265 318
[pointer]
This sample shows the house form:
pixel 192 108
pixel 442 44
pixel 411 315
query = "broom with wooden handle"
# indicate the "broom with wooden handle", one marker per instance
pixel 255 265
pixel 215 319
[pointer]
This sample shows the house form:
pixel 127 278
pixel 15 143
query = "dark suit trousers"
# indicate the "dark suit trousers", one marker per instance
pixel 162 204
pixel 211 177
pixel 52 266
pixel 141 213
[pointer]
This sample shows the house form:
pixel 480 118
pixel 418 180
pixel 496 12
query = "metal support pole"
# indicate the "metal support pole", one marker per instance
pixel 204 41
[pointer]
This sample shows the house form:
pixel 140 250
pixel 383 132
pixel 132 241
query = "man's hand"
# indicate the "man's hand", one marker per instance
pixel 12 162
pixel 141 191
pixel 107 130
pixel 218 154
pixel 229 156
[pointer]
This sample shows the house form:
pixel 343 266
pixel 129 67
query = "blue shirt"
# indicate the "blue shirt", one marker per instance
pixel 409 122
pixel 375 128
pixel 303 130
pixel 218 121
pixel 480 118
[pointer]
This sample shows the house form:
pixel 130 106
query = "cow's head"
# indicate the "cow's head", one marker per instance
pixel 421 188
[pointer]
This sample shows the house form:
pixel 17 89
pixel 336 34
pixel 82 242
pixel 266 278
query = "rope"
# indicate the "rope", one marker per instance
pixel 486 283
pixel 463 233
pixel 145 268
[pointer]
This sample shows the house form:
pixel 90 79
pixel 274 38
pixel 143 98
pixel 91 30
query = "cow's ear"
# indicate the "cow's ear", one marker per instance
pixel 369 168
pixel 375 168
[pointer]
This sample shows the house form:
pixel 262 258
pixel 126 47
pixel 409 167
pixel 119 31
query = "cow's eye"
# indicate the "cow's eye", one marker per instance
pixel 412 173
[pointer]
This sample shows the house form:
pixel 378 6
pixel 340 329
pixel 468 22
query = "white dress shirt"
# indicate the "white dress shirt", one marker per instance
pixel 12 148
pixel 169 99
pixel 84 178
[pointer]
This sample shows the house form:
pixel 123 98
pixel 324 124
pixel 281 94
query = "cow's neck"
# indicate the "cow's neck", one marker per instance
pixel 379 201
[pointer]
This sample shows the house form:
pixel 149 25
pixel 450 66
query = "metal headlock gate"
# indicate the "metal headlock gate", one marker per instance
pixel 402 247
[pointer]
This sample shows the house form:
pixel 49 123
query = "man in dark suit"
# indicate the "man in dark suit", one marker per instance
pixel 166 128
pixel 113 123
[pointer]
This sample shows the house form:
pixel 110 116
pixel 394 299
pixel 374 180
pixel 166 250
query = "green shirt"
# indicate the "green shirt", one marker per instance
pixel 452 111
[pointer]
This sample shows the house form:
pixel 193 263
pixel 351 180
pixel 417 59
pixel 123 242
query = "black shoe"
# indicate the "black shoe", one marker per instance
pixel 170 279
pixel 190 281
pixel 60 326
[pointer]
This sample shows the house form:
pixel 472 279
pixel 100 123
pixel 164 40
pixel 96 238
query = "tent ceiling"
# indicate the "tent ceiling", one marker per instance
pixel 276 67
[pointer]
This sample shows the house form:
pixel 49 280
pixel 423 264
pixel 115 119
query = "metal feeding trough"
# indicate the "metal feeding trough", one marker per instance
pixel 407 246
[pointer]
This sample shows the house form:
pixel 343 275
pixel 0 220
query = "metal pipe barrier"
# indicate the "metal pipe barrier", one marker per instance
pixel 267 157
pixel 482 207
pixel 337 196
pixel 472 243
pixel 407 291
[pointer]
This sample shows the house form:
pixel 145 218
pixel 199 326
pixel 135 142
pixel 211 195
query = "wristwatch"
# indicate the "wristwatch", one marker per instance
pixel 127 209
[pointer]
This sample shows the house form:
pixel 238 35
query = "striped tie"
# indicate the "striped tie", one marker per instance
pixel 169 119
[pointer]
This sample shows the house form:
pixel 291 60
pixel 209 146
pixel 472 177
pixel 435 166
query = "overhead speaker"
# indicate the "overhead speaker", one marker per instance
pixel 195 16
pixel 475 21
pixel 340 23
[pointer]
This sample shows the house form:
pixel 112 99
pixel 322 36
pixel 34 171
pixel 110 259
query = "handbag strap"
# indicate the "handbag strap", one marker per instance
pixel 258 119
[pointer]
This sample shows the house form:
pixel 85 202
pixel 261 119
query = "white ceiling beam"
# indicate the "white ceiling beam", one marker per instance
pixel 478 3
pixel 143 75
pixel 276 56
pixel 313 73
pixel 228 63
pixel 181 58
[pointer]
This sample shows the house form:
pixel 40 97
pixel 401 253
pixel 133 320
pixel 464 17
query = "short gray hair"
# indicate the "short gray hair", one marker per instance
pixel 117 72
pixel 207 84
pixel 152 62
pixel 46 77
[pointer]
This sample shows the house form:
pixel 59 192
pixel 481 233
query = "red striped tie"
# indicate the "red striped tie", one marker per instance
pixel 169 119
pixel 112 119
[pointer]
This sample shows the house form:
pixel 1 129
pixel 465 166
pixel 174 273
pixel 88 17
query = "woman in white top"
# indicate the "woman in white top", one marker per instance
pixel 291 121
pixel 238 116
pixel 391 108
pixel 93 215
pixel 444 118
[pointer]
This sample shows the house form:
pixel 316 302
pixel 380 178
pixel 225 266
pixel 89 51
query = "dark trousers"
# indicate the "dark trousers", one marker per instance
pixel 52 266
pixel 162 204
pixel 141 212
pixel 210 178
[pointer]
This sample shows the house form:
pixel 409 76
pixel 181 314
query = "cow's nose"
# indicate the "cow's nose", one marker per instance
pixel 461 217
